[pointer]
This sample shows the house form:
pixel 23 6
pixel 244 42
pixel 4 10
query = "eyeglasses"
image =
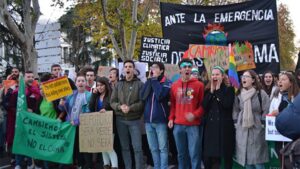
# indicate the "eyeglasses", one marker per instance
pixel 245 76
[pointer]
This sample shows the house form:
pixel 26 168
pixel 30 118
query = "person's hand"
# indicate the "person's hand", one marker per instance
pixel 274 113
pixel 212 87
pixel 62 102
pixel 102 111
pixel 150 74
pixel 219 82
pixel 124 108
pixel 170 124
pixel 95 90
pixel 190 117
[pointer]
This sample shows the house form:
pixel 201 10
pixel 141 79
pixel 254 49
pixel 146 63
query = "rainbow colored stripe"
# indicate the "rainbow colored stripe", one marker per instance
pixel 232 73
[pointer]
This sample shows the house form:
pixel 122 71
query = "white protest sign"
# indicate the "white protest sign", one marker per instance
pixel 271 132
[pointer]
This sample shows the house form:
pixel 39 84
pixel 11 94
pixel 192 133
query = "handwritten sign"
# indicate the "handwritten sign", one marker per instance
pixel 271 132
pixel 43 138
pixel 96 132
pixel 103 71
pixel 155 50
pixel 243 55
pixel 56 88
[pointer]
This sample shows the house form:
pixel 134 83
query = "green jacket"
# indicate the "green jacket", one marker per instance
pixel 128 92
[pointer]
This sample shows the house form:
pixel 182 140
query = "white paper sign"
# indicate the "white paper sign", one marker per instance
pixel 271 132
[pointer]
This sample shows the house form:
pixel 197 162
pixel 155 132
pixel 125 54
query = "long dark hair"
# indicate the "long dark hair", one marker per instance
pixel 104 81
pixel 267 89
pixel 294 89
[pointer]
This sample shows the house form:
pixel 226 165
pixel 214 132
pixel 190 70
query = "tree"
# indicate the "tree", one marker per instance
pixel 286 38
pixel 19 19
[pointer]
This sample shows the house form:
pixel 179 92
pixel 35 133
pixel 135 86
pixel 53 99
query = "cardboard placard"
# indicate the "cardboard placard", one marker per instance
pixel 56 88
pixel 96 132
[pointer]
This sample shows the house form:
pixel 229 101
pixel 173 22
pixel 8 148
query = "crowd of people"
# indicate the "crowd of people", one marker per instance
pixel 191 123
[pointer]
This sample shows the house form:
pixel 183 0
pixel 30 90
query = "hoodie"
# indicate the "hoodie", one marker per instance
pixel 186 97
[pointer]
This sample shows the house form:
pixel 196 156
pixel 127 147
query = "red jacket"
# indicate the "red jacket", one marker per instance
pixel 186 97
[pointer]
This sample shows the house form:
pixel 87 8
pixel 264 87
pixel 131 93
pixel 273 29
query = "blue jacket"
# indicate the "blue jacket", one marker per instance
pixel 155 94
pixel 70 101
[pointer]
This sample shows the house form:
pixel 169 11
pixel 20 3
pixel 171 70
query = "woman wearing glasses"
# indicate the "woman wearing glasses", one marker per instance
pixel 218 140
pixel 250 107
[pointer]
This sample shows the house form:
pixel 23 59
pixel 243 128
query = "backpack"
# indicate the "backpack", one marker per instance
pixel 287 121
pixel 291 154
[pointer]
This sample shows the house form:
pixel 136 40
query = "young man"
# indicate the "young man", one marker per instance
pixel 155 94
pixel 90 77
pixel 185 116
pixel 14 74
pixel 128 107
pixel 56 72
pixel 33 97
pixel 113 77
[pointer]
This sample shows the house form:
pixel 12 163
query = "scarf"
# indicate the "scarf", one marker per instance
pixel 247 119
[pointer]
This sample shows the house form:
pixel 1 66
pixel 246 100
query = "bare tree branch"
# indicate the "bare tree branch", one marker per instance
pixel 36 13
pixel 115 43
pixel 104 13
pixel 9 22
pixel 146 11
pixel 134 28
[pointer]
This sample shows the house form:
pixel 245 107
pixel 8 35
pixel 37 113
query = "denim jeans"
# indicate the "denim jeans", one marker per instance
pixel 133 129
pixel 188 145
pixel 157 137
pixel 20 158
pixel 255 166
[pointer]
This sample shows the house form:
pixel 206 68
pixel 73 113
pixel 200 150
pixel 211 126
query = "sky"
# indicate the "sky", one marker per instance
pixel 51 14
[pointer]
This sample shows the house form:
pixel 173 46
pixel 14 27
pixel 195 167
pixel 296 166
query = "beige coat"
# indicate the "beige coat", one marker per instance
pixel 251 146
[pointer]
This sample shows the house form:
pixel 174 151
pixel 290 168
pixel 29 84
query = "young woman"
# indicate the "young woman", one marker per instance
pixel 268 83
pixel 74 105
pixel 250 106
pixel 288 89
pixel 218 137
pixel 100 102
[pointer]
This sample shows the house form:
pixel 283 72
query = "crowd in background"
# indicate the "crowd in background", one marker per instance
pixel 195 122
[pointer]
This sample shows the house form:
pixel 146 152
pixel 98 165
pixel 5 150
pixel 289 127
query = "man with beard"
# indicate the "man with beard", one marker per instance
pixel 32 97
pixel 128 108
pixel 186 97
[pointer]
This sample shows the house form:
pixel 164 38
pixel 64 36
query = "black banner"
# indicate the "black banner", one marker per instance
pixel 155 50
pixel 254 21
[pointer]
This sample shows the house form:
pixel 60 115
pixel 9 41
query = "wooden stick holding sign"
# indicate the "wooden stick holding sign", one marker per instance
pixel 96 132
pixel 56 88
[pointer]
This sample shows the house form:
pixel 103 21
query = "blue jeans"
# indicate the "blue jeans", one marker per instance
pixel 20 158
pixel 132 128
pixel 188 145
pixel 157 137
pixel 255 166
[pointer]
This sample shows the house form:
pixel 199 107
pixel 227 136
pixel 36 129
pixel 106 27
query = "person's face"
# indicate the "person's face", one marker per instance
pixel 155 70
pixel 216 76
pixel 186 70
pixel 29 78
pixel 80 83
pixel 113 76
pixel 268 79
pixel 56 71
pixel 15 72
pixel 100 87
pixel 128 70
pixel 247 80
pixel 284 83
pixel 195 75
pixel 90 76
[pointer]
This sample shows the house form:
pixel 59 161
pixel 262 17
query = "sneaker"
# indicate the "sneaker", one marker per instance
pixel 17 167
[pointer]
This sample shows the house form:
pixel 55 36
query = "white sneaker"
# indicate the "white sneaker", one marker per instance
pixel 30 167
pixel 17 167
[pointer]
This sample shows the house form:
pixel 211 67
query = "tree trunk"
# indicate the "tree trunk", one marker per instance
pixel 29 56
